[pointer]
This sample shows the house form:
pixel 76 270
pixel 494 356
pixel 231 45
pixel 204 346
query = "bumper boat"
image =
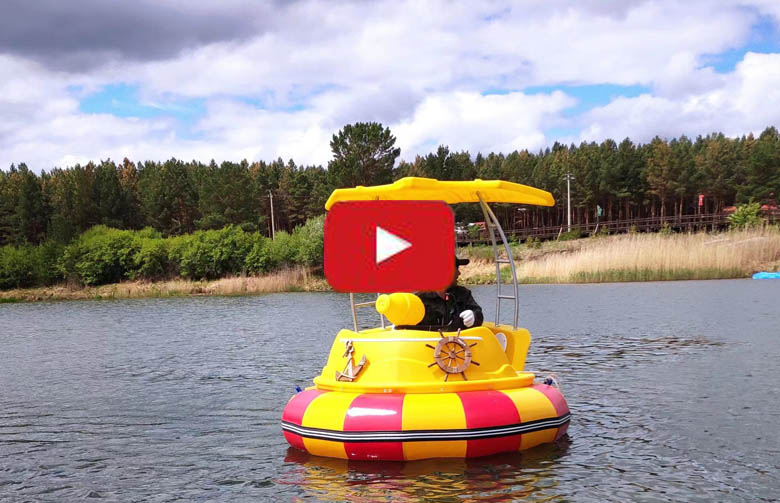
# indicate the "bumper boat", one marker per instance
pixel 403 394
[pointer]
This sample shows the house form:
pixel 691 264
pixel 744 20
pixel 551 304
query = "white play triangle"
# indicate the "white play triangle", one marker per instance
pixel 388 244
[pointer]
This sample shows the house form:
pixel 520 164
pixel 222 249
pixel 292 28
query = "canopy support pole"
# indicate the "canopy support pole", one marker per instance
pixel 493 228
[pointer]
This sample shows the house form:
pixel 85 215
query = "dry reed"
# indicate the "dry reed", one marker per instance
pixel 650 257
pixel 286 280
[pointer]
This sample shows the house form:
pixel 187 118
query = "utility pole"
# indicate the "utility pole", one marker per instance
pixel 271 196
pixel 568 202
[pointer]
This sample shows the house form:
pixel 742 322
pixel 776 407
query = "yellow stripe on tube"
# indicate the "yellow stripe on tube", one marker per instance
pixel 532 405
pixel 433 412
pixel 327 411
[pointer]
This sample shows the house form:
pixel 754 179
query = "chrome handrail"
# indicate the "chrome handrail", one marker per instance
pixel 493 225
pixel 359 305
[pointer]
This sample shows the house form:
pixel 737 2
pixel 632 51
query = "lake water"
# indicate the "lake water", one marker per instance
pixel 674 390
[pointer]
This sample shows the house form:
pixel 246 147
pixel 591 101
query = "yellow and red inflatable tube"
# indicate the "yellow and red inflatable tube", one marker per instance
pixel 398 427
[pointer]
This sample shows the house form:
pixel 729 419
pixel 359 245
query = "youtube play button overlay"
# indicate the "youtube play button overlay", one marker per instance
pixel 389 246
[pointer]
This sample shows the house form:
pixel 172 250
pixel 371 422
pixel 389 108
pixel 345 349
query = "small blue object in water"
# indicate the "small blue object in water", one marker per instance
pixel 549 381
pixel 767 275
pixel 298 389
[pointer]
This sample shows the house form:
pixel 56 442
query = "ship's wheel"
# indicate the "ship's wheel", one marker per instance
pixel 453 355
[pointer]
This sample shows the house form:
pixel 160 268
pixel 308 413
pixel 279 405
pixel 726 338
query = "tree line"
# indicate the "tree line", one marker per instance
pixel 104 222
pixel 174 197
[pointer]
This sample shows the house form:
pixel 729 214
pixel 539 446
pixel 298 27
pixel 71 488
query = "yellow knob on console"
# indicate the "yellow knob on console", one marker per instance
pixel 401 308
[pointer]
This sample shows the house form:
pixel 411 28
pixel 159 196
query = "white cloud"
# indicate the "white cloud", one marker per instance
pixel 682 76
pixel 493 123
pixel 769 8
pixel 445 46
pixel 419 68
pixel 42 126
pixel 244 131
pixel 747 100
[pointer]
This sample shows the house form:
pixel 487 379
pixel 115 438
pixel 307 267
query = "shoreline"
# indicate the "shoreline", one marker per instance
pixel 287 280
pixel 185 288
pixel 611 259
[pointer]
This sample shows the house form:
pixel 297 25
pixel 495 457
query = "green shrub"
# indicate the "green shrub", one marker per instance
pixel 152 260
pixel 100 255
pixel 105 255
pixel 282 250
pixel 48 254
pixel 233 246
pixel 148 233
pixel 310 241
pixel 746 216
pixel 479 252
pixel 27 265
pixel 248 227
pixel 568 236
pixel 258 260
pixel 176 247
pixel 533 243
pixel 666 229
pixel 213 254
pixel 196 261
pixel 17 267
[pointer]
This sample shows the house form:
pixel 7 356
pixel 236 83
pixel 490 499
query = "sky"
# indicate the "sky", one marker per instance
pixel 89 80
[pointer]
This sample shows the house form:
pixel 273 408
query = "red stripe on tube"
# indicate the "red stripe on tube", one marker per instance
pixel 375 412
pixel 489 408
pixel 293 413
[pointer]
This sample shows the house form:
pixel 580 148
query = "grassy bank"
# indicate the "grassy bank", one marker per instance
pixel 287 280
pixel 636 257
pixel 632 257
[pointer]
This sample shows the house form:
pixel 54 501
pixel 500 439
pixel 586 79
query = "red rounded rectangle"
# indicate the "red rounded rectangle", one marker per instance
pixel 389 246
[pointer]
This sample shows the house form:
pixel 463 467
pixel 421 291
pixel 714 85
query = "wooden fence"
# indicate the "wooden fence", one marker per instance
pixel 684 223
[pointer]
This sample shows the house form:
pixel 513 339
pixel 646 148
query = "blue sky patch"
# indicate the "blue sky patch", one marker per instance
pixel 724 62
pixel 298 98
pixel 587 96
pixel 122 100
pixel 557 134
pixel 764 38
pixel 263 104
pixel 499 92
pixel 590 96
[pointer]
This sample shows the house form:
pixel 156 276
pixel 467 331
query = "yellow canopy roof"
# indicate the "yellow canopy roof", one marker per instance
pixel 429 189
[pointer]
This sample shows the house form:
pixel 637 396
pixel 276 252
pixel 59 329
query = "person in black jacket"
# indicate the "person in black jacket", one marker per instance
pixel 452 308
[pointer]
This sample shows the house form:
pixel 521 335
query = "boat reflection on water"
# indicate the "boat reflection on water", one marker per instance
pixel 502 477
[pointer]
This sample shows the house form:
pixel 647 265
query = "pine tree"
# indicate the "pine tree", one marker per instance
pixel 659 171
pixel 364 153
